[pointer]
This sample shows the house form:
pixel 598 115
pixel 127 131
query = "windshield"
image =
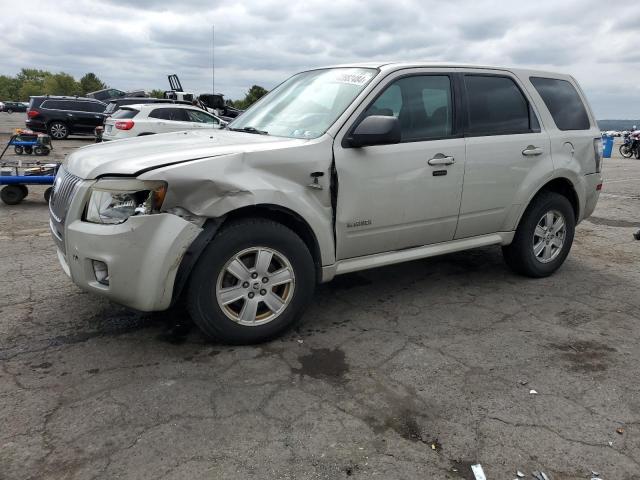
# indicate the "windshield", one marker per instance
pixel 307 104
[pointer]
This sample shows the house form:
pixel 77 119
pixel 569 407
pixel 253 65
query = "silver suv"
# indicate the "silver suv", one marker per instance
pixel 336 170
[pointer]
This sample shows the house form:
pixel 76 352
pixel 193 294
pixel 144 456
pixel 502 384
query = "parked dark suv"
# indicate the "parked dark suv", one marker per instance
pixel 11 107
pixel 63 116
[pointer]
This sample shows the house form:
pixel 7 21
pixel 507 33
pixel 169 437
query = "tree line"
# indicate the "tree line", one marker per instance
pixel 31 81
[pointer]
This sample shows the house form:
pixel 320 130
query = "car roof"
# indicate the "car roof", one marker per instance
pixel 141 106
pixel 63 97
pixel 393 66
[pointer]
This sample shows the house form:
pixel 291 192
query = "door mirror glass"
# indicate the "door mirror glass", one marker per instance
pixel 375 130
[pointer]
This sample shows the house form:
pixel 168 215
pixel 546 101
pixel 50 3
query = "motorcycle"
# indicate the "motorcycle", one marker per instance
pixel 630 146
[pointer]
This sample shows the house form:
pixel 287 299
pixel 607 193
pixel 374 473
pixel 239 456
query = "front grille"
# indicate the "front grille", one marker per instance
pixel 63 189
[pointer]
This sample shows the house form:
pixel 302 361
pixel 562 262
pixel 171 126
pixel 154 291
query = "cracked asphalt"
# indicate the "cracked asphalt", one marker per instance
pixel 411 371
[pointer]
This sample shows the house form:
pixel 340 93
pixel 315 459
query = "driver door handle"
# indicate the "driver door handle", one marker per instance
pixel 440 159
pixel 532 151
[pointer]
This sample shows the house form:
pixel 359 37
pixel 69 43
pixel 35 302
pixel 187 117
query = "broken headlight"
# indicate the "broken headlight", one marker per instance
pixel 114 201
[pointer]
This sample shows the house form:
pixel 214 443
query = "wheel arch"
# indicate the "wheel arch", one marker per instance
pixel 562 186
pixel 212 226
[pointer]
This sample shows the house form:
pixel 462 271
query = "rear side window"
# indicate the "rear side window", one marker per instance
pixel 95 107
pixel 125 113
pixel 563 103
pixel 496 106
pixel 161 113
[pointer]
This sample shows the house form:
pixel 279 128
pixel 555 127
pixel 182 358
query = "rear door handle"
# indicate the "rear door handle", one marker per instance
pixel 532 151
pixel 440 159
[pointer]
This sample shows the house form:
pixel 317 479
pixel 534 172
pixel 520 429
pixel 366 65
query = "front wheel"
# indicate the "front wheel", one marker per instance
pixel 543 238
pixel 625 151
pixel 251 283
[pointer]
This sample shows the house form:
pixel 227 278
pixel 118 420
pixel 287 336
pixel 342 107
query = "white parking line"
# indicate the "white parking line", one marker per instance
pixel 621 180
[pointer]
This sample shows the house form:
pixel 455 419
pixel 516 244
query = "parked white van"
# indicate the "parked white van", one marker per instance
pixel 336 170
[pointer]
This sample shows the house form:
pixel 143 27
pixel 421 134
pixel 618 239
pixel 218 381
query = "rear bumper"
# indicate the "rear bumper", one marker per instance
pixel 142 256
pixel 36 125
pixel 592 194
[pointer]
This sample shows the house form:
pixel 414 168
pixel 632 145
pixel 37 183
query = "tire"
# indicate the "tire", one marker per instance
pixel 28 150
pixel 58 130
pixel 626 151
pixel 243 241
pixel 47 194
pixel 637 152
pixel 9 111
pixel 12 194
pixel 524 255
pixel 19 150
pixel 38 151
pixel 25 191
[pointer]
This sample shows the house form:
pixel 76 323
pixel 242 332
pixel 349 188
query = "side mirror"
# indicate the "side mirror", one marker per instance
pixel 375 130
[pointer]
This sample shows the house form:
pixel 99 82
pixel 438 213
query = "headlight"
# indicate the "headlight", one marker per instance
pixel 113 201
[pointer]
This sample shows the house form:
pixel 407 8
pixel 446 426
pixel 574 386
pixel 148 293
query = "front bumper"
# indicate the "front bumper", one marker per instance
pixel 142 256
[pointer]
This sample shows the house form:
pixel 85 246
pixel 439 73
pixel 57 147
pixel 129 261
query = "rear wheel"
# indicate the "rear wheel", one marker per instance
pixel 58 130
pixel 252 282
pixel 47 194
pixel 625 151
pixel 38 150
pixel 18 149
pixel 28 150
pixel 12 194
pixel 544 236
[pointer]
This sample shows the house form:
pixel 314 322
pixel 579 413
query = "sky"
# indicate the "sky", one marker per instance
pixel 136 44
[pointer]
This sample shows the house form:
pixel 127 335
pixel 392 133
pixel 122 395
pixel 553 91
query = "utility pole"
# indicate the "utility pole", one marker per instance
pixel 213 69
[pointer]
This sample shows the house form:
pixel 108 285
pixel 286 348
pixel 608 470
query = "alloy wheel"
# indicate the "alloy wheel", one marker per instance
pixel 549 236
pixel 255 286
pixel 58 131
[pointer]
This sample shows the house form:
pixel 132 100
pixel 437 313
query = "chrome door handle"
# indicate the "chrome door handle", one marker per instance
pixel 440 159
pixel 532 151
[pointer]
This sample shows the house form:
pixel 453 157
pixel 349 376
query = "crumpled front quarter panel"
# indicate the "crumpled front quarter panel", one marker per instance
pixel 213 187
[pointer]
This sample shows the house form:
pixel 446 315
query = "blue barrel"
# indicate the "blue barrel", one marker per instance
pixel 607 146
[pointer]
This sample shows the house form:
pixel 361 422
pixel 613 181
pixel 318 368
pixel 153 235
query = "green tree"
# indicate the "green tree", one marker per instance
pixel 90 83
pixel 60 84
pixel 9 88
pixel 156 93
pixel 254 94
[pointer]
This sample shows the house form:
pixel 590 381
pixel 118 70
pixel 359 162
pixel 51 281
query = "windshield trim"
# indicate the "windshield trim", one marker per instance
pixel 376 71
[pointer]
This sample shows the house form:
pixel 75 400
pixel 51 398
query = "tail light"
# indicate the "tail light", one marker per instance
pixel 32 113
pixel 598 153
pixel 124 124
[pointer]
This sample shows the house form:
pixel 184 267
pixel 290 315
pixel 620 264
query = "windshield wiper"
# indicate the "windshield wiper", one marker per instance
pixel 249 130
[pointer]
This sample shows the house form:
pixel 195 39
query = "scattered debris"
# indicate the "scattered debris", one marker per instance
pixel 524 382
pixel 533 392
pixel 300 341
pixel 519 474
pixel 478 472
pixel 637 235
pixel 540 476
pixel 436 445
pixel 620 430
pixel 610 444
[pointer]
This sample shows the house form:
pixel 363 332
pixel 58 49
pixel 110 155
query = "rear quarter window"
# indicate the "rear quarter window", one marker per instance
pixel 563 102
pixel 125 113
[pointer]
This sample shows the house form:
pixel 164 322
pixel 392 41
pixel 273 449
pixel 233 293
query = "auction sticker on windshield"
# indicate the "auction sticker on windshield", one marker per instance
pixel 359 78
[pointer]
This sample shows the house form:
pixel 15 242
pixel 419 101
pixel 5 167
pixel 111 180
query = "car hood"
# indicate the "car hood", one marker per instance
pixel 139 154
